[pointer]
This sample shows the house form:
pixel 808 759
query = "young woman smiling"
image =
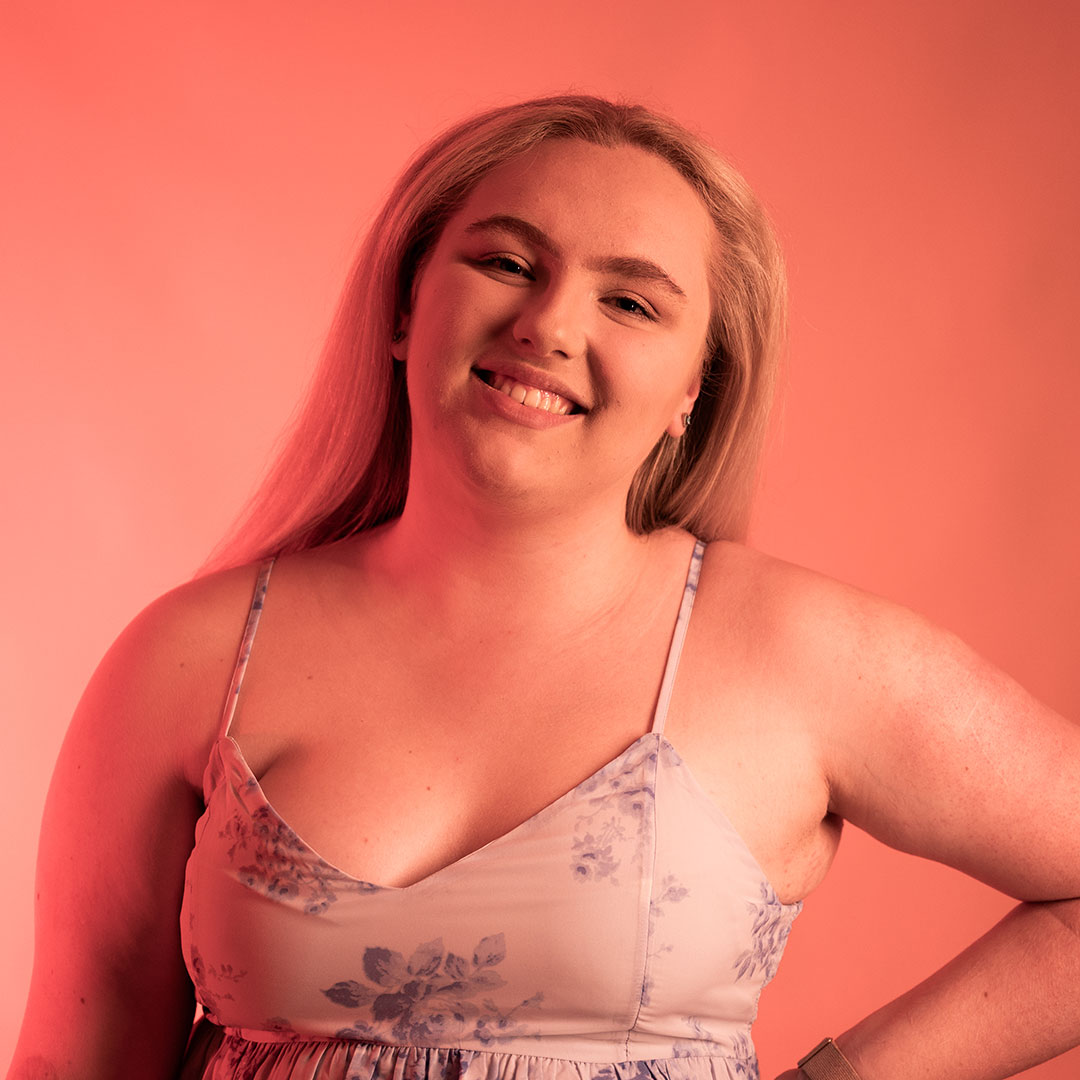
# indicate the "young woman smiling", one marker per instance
pixel 482 795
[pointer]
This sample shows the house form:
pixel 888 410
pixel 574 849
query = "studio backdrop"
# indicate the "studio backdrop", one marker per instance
pixel 184 184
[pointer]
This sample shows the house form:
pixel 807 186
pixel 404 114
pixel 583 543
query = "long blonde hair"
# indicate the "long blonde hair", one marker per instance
pixel 344 464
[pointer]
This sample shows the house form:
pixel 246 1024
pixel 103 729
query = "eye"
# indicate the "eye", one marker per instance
pixel 506 264
pixel 632 306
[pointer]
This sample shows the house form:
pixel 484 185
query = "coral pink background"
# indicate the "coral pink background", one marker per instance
pixel 184 184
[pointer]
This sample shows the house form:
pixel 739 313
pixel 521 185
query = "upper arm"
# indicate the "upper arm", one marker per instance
pixel 109 993
pixel 936 752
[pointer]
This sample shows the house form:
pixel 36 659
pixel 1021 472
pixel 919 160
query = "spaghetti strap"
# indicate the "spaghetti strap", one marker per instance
pixel 261 584
pixel 682 623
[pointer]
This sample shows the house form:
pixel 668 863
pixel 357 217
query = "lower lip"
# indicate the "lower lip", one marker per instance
pixel 506 406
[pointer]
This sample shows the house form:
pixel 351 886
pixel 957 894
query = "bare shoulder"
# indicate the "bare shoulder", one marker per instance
pixel 792 595
pixel 922 742
pixel 167 674
pixel 817 624
pixel 807 629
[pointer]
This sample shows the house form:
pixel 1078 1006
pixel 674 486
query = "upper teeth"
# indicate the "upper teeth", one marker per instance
pixel 530 395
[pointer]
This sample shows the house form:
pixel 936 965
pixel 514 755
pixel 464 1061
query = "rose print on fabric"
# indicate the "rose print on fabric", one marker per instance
pixel 211 983
pixel 772 924
pixel 432 997
pixel 268 856
pixel 614 828
pixel 280 1024
pixel 593 854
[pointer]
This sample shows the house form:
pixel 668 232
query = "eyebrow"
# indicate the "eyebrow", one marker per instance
pixel 630 266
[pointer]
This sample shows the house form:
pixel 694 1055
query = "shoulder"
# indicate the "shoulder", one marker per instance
pixel 194 616
pixel 922 742
pixel 811 620
pixel 165 678
pixel 854 658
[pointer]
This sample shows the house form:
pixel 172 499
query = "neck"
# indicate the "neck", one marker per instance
pixel 463 561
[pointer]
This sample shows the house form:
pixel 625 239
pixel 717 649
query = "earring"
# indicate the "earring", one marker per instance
pixel 685 420
pixel 399 336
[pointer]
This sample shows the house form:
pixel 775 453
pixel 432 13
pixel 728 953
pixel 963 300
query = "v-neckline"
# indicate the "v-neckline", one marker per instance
pixel 253 784
pixel 232 747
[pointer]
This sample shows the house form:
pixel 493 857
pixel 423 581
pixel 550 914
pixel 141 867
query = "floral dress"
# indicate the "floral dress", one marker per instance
pixel 622 932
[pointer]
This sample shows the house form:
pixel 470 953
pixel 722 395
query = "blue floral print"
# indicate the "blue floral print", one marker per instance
pixel 739 1049
pixel 616 826
pixel 673 1068
pixel 275 861
pixel 208 980
pixel 772 924
pixel 670 892
pixel 431 996
pixel 744 1057
pixel 701 1043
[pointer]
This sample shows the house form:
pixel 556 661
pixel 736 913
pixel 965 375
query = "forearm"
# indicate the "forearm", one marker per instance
pixel 1006 1003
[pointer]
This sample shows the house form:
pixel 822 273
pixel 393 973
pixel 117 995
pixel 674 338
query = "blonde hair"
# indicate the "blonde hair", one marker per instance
pixel 344 464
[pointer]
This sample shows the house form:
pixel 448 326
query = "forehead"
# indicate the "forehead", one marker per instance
pixel 598 201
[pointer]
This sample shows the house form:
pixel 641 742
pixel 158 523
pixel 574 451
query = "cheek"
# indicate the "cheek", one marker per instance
pixel 436 324
pixel 454 308
pixel 657 380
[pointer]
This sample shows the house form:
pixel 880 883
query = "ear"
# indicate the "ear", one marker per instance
pixel 399 343
pixel 678 426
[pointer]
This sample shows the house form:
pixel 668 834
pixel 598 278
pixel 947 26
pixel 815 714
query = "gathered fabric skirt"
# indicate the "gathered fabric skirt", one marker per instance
pixel 216 1054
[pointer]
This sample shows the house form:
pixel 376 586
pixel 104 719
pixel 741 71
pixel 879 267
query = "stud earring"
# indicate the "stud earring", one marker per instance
pixel 685 420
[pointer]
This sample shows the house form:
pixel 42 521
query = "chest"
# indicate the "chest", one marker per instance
pixel 395 752
pixel 597 926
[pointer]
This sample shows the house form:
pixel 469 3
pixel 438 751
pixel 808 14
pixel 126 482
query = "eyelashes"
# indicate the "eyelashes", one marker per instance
pixel 518 268
pixel 507 264
pixel 632 307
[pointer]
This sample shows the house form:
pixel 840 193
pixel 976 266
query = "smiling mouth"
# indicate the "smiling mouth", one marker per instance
pixel 532 397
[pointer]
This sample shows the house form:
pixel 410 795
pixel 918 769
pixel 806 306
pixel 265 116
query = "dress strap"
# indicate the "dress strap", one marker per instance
pixel 682 623
pixel 261 584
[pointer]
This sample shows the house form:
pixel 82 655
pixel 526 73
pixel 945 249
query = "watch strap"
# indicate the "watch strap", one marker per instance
pixel 826 1062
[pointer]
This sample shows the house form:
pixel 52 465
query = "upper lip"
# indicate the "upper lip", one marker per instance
pixel 531 376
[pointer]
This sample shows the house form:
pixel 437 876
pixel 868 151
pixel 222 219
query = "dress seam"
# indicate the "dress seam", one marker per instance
pixel 370 1044
pixel 647 893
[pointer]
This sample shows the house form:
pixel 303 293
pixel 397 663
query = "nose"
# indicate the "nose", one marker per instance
pixel 551 322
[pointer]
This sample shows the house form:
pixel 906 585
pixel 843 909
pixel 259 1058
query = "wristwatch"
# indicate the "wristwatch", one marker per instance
pixel 825 1062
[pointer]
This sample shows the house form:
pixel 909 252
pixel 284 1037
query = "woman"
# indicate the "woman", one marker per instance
pixel 528 848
